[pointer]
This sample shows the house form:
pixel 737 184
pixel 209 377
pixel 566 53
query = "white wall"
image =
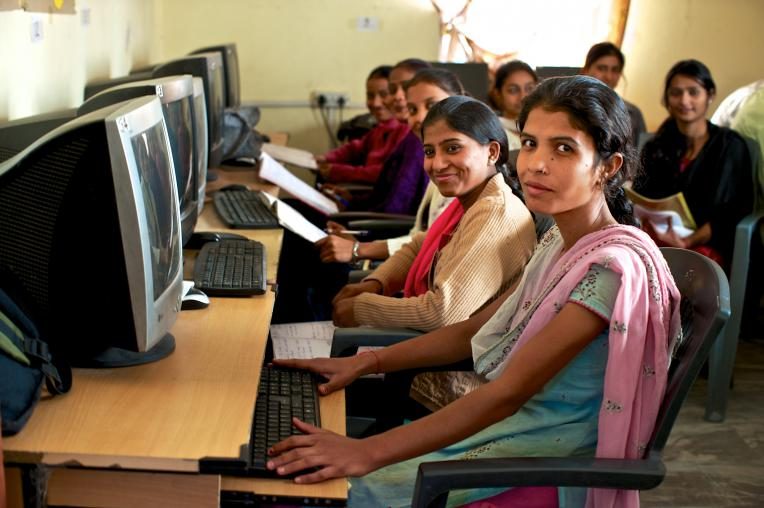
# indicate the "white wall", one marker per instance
pixel 50 74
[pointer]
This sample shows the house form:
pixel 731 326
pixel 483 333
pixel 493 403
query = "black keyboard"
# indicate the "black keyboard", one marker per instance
pixel 231 268
pixel 244 209
pixel 281 394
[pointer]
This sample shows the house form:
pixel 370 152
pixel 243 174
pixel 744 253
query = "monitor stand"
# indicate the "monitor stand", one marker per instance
pixel 118 357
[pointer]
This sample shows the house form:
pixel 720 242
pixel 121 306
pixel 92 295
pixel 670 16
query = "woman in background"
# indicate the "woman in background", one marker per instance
pixel 709 165
pixel 605 62
pixel 361 160
pixel 513 82
pixel 576 358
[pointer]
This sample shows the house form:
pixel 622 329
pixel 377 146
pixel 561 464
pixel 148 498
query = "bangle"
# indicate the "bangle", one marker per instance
pixel 378 368
pixel 354 255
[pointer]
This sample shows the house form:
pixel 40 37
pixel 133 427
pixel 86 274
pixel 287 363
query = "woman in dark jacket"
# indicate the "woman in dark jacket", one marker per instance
pixel 710 165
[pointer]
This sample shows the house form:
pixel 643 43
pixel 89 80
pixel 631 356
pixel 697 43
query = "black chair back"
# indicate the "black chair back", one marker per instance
pixel 705 309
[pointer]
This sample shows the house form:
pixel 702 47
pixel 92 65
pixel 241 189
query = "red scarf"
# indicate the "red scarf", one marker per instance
pixel 416 280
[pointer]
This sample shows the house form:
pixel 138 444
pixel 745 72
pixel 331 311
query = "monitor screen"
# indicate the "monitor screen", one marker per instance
pixel 153 164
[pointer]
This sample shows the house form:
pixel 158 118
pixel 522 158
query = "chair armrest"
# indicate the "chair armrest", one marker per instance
pixel 347 340
pixel 348 216
pixel 403 225
pixel 355 187
pixel 435 479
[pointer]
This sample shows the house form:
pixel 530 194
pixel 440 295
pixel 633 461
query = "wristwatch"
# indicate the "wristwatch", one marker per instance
pixel 354 255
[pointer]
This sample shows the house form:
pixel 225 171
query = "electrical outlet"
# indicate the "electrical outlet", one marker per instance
pixel 329 99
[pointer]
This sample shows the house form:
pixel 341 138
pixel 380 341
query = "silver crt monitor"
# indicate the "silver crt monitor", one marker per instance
pixel 90 235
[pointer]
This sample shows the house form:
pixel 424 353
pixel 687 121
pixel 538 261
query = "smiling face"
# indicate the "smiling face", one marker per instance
pixel 457 164
pixel 607 69
pixel 420 98
pixel 514 89
pixel 376 95
pixel 558 166
pixel 686 100
pixel 396 99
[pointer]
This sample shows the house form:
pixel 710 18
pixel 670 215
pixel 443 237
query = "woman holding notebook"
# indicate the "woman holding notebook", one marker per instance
pixel 709 165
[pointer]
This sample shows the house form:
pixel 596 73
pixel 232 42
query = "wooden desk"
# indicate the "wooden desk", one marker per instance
pixel 159 419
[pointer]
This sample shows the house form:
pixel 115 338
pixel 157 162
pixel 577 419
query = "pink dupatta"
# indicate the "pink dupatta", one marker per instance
pixel 644 328
pixel 416 279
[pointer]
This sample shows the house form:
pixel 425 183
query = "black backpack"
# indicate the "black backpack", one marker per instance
pixel 25 361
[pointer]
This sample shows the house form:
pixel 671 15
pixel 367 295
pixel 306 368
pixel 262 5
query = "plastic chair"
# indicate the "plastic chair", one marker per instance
pixel 721 361
pixel 706 309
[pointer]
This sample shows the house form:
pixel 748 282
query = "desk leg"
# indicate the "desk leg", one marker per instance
pixel 91 488
pixel 13 493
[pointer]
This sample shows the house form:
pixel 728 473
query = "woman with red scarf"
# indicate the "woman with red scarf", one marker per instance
pixel 474 251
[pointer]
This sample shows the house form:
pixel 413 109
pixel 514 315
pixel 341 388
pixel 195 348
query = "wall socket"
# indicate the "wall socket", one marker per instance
pixel 329 99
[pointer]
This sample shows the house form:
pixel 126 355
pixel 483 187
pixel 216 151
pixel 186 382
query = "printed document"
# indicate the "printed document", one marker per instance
pixel 302 340
pixel 274 172
pixel 296 156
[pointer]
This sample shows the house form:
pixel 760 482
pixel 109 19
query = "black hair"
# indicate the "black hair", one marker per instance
pixel 596 109
pixel 381 72
pixel 442 78
pixel 603 49
pixel 474 119
pixel 693 69
pixel 412 64
pixel 509 68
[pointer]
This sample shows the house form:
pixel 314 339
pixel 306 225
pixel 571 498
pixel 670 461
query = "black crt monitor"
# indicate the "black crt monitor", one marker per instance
pixel 200 140
pixel 230 71
pixel 90 235
pixel 98 86
pixel 176 94
pixel 209 67
pixel 473 75
pixel 16 135
pixel 554 72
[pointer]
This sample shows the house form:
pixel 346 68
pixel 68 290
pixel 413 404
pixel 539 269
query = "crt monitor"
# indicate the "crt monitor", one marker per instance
pixel 90 235
pixel 230 71
pixel 15 136
pixel 209 67
pixel 98 86
pixel 200 140
pixel 176 94
pixel 473 75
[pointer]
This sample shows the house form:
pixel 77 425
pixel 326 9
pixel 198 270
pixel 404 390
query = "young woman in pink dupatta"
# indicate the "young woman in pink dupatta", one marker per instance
pixel 574 359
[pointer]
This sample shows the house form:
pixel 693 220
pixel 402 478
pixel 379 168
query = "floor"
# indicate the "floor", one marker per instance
pixel 719 464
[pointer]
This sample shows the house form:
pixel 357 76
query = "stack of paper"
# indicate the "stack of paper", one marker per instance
pixel 274 172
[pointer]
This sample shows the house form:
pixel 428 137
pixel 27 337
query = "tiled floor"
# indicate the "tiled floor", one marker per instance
pixel 719 464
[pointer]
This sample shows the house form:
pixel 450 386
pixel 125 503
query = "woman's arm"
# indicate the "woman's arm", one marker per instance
pixel 532 366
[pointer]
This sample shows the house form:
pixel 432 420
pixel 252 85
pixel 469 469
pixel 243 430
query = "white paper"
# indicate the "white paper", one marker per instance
pixel 658 219
pixel 295 156
pixel 302 340
pixel 294 220
pixel 271 170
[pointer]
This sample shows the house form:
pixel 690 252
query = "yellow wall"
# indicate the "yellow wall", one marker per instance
pixel 48 75
pixel 288 48
pixel 726 35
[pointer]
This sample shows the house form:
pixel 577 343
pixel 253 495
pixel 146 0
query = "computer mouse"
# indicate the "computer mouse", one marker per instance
pixel 194 299
pixel 234 187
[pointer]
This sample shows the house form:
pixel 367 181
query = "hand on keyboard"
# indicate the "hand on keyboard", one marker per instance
pixel 338 372
pixel 326 454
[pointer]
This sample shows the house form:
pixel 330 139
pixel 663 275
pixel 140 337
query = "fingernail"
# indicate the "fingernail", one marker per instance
pixel 280 470
pixel 269 464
